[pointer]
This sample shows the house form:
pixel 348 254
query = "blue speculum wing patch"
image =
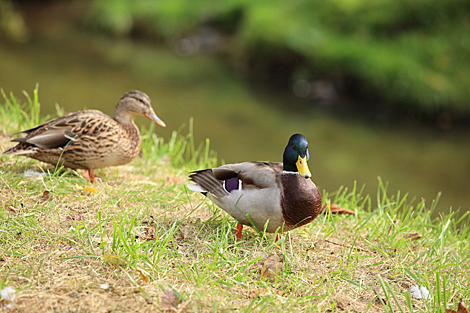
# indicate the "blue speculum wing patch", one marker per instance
pixel 232 184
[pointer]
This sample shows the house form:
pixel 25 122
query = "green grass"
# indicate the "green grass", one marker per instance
pixel 142 232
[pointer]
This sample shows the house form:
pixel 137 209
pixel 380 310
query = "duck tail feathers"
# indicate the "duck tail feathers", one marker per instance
pixel 206 182
pixel 16 151
pixel 196 188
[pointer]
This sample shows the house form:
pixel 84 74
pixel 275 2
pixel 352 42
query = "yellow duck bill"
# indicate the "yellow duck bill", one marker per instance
pixel 302 167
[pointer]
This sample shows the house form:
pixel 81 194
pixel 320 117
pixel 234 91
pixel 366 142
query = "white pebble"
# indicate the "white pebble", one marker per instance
pixel 419 292
pixel 8 294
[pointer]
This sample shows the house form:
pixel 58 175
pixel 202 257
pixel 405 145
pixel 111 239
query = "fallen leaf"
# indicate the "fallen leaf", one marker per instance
pixel 144 278
pixel 45 196
pixel 272 266
pixel 86 189
pixel 114 259
pixel 336 209
pixel 76 217
pixel 461 308
pixel 12 208
pixel 169 300
pixel 412 237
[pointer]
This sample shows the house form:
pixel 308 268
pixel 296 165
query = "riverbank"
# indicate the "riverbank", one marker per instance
pixel 141 237
pixel 78 69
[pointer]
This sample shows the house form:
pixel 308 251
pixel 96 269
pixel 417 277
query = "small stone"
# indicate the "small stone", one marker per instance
pixel 8 294
pixel 419 292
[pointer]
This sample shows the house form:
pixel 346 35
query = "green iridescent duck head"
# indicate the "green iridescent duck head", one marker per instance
pixel 296 156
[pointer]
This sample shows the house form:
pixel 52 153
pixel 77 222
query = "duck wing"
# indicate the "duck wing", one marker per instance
pixel 58 132
pixel 220 181
pixel 255 174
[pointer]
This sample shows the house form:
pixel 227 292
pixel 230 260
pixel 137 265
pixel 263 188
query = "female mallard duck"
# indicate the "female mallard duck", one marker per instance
pixel 89 139
pixel 279 195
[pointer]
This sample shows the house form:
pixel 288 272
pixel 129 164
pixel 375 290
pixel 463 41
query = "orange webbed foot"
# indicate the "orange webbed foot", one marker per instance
pixel 239 230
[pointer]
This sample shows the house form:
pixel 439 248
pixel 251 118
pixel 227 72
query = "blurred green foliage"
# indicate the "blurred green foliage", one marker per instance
pixel 407 52
pixel 12 24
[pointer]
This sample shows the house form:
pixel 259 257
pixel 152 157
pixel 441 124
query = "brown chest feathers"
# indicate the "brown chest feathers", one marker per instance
pixel 301 201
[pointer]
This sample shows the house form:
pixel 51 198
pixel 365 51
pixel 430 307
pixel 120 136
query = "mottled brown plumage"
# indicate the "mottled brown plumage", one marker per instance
pixel 277 196
pixel 89 139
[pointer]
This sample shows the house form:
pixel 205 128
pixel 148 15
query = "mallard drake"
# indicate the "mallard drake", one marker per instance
pixel 89 139
pixel 279 195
